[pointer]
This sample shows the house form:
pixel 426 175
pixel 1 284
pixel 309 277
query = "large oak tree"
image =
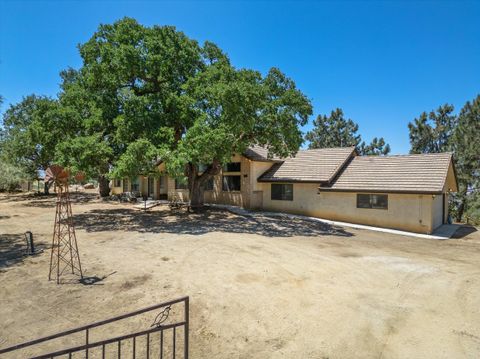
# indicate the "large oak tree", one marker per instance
pixel 147 92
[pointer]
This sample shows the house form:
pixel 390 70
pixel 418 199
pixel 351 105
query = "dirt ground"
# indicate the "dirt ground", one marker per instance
pixel 259 287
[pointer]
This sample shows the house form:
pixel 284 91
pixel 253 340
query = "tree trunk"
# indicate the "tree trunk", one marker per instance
pixel 103 186
pixel 196 194
pixel 196 182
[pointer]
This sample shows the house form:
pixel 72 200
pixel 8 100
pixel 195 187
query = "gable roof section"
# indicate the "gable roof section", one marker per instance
pixel 423 173
pixel 318 165
pixel 257 153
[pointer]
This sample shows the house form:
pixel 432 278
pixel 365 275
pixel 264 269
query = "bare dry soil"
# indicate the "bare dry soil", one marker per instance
pixel 259 287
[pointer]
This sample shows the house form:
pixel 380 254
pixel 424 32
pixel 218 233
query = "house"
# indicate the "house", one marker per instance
pixel 406 192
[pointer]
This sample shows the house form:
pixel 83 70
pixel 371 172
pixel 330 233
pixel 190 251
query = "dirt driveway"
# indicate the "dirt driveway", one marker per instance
pixel 259 288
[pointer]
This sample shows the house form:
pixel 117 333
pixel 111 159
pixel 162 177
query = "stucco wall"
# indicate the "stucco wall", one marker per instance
pixel 437 211
pixel 408 212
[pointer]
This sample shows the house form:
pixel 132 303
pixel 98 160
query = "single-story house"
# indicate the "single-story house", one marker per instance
pixel 406 192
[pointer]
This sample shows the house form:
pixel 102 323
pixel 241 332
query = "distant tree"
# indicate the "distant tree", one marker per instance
pixel 32 129
pixel 377 147
pixel 465 143
pixel 432 133
pixel 441 131
pixel 10 176
pixel 336 131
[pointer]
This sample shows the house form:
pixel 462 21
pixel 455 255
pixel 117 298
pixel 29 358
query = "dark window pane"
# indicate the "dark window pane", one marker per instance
pixel 282 192
pixel 376 201
pixel 118 183
pixel 363 201
pixel 125 185
pixel 232 167
pixel 288 192
pixel 379 201
pixel 231 183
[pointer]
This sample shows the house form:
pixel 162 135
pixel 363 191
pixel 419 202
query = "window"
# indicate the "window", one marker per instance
pixel 208 186
pixel 181 183
pixel 125 185
pixel 117 183
pixel 135 185
pixel 282 192
pixel 375 201
pixel 232 167
pixel 231 183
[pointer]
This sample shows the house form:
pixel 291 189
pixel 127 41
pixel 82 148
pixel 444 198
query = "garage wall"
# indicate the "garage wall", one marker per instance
pixel 437 211
pixel 409 212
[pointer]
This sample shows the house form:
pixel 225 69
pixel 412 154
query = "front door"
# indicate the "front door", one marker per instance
pixel 151 188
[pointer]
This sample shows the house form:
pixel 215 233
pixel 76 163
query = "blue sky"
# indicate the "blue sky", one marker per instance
pixel 383 63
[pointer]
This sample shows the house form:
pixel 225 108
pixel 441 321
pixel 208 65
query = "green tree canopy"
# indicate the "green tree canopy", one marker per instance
pixel 441 131
pixel 337 131
pixel 432 133
pixel 32 129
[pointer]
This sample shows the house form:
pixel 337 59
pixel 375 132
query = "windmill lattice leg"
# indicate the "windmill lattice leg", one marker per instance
pixel 64 255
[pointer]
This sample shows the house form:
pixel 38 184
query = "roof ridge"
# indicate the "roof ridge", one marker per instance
pixel 408 155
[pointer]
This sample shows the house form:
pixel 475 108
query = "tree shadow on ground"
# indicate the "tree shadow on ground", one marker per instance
pixel 47 201
pixel 13 249
pixel 209 220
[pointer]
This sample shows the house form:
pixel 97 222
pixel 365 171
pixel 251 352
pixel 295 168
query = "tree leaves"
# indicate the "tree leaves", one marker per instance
pixel 441 131
pixel 336 131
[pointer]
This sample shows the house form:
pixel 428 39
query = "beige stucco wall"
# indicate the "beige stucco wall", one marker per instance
pixel 437 211
pixel 409 212
pixel 240 198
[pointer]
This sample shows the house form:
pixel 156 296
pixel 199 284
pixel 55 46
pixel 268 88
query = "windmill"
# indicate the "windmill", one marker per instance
pixel 64 256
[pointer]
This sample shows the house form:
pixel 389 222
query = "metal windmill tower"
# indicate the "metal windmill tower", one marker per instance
pixel 64 256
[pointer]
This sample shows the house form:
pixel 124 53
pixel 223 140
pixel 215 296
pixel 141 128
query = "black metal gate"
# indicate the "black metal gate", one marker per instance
pixel 166 336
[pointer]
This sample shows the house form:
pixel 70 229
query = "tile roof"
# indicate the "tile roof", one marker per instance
pixel 318 165
pixel 423 173
pixel 257 153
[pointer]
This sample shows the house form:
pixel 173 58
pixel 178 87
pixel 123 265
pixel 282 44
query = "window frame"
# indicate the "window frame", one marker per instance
pixel 117 182
pixel 283 193
pixel 372 204
pixel 236 164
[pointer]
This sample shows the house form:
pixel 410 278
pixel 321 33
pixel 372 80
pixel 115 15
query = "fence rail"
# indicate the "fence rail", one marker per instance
pixel 159 326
